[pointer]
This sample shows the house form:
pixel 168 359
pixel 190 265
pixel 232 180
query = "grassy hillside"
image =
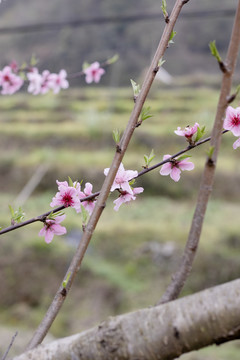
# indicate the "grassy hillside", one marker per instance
pixel 134 251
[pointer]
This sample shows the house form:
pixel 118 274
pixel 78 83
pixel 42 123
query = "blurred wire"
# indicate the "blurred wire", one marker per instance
pixel 111 19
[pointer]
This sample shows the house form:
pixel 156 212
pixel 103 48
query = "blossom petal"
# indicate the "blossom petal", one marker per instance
pixel 186 165
pixel 175 173
pixel 166 169
pixel 48 236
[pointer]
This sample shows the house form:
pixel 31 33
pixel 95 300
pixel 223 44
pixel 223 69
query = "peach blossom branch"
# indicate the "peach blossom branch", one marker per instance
pixel 100 204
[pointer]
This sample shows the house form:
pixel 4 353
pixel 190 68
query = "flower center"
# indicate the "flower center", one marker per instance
pixel 236 121
pixel 67 199
pixel 6 78
pixel 94 72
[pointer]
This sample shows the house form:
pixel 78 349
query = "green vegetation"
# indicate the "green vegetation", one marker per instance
pixel 134 251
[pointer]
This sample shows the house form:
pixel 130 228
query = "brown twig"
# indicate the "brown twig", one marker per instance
pixel 77 259
pixel 179 278
pixel 9 346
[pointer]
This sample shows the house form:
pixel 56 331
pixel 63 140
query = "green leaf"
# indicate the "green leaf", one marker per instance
pixel 173 33
pixel 214 50
pixel 85 65
pixel 64 283
pixel 161 62
pixel 136 88
pixel 210 151
pixel 23 66
pixel 11 210
pixel 70 182
pixel 17 215
pixel 113 59
pixel 33 60
pixel 145 159
pixel 183 157
pixel 164 8
pixel 200 133
pixel 148 159
pixel 145 114
pixel 116 135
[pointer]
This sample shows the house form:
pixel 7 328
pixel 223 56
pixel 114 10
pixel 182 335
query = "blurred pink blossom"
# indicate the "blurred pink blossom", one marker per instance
pixel 9 81
pixel 126 197
pixel 52 227
pixel 122 178
pixel 58 81
pixel 35 81
pixel 174 167
pixel 232 120
pixel 93 73
pixel 42 83
pixel 66 196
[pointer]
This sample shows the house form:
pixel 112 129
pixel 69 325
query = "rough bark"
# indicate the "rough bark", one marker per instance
pixel 163 332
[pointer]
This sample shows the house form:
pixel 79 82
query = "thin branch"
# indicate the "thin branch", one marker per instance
pixel 9 346
pixel 179 278
pixel 100 204
pixel 190 147
pixel 43 217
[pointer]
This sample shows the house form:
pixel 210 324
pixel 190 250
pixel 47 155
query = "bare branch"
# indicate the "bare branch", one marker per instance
pixel 9 346
pixel 179 278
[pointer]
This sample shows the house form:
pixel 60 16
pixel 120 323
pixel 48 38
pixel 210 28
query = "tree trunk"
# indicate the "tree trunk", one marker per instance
pixel 163 332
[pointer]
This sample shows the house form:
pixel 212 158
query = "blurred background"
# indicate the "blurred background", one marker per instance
pixel 43 138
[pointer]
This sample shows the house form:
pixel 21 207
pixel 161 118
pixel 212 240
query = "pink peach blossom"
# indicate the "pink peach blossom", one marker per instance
pixel 93 73
pixel 52 227
pixel 232 120
pixel 174 167
pixel 58 81
pixel 45 82
pixel 67 196
pixel 9 81
pixel 188 132
pixel 88 204
pixel 122 179
pixel 42 83
pixel 35 81
pixel 126 197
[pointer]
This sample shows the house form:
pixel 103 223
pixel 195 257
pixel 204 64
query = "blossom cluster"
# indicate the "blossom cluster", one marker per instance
pixel 121 183
pixel 72 196
pixel 42 83
pixel 12 78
